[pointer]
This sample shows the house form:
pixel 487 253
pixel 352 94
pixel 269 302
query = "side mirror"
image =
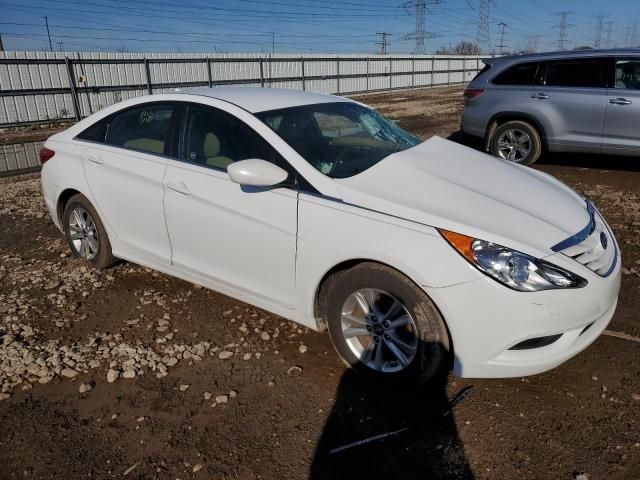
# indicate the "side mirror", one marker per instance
pixel 256 173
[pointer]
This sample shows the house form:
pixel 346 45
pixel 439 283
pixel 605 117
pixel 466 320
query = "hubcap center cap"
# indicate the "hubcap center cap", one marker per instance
pixel 378 330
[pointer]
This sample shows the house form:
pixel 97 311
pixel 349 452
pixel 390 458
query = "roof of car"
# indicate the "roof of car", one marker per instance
pixel 564 54
pixel 255 99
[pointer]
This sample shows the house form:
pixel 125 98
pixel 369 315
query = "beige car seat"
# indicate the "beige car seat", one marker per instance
pixel 211 150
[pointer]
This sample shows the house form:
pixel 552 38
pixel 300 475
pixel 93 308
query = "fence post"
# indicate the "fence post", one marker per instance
pixel 338 74
pixel 367 89
pixel 209 76
pixel 304 87
pixel 413 71
pixel 433 66
pixel 390 73
pixel 464 70
pixel 448 71
pixel 72 87
pixel 261 74
pixel 148 74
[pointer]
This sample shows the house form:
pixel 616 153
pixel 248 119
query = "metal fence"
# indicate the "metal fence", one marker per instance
pixel 40 87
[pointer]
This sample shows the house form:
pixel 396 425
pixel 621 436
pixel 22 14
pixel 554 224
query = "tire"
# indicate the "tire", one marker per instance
pixel 423 322
pixel 89 239
pixel 510 146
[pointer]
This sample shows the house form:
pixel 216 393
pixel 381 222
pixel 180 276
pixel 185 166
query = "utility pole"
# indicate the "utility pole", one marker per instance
pixel 599 24
pixel 608 29
pixel 483 35
pixel 61 44
pixel 419 8
pixel 633 38
pixel 562 38
pixel 46 22
pixel 502 26
pixel 384 43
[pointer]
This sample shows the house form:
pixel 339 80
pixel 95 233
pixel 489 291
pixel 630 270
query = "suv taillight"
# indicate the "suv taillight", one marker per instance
pixel 46 154
pixel 472 92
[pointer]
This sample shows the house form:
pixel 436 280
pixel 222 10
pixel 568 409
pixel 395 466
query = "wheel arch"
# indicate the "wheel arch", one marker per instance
pixel 323 286
pixel 63 200
pixel 503 117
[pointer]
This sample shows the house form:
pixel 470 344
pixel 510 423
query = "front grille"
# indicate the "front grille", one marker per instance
pixel 594 246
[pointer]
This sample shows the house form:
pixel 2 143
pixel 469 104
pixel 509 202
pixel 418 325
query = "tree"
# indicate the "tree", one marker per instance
pixel 462 48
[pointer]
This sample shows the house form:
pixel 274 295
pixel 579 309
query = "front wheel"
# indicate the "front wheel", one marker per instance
pixel 385 327
pixel 516 141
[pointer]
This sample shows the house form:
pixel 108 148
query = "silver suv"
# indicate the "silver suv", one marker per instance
pixel 580 101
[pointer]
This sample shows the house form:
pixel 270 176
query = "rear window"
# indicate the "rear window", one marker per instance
pixel 484 69
pixel 520 74
pixel 583 72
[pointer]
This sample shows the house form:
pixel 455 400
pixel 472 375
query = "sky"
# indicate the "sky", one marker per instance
pixel 301 26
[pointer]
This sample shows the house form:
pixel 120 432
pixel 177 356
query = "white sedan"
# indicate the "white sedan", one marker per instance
pixel 416 256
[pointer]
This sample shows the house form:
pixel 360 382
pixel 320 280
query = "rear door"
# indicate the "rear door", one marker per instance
pixel 621 133
pixel 125 172
pixel 568 100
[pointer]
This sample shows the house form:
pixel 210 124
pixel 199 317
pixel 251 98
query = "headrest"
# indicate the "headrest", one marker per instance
pixel 211 145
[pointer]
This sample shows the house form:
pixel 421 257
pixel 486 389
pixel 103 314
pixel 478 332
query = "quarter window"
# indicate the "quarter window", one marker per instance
pixel 143 128
pixel 583 72
pixel 628 74
pixel 216 139
pixel 520 74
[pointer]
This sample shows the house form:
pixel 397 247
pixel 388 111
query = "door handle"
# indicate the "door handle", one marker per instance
pixel 540 96
pixel 179 187
pixel 95 158
pixel 620 101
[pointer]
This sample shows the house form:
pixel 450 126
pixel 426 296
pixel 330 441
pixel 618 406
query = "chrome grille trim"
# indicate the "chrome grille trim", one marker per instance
pixel 586 247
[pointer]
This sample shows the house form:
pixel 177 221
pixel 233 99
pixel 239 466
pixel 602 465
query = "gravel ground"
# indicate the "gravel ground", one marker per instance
pixel 131 373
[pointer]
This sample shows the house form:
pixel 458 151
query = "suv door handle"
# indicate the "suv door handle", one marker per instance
pixel 620 101
pixel 179 187
pixel 540 96
pixel 95 158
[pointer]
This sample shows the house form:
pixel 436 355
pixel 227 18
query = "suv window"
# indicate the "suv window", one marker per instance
pixel 216 139
pixel 628 73
pixel 142 128
pixel 520 74
pixel 577 72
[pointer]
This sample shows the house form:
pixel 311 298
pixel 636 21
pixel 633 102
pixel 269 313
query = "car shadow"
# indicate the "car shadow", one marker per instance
pixel 576 160
pixel 423 441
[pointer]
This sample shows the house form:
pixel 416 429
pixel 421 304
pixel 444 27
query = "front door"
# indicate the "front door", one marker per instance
pixel 240 237
pixel 623 110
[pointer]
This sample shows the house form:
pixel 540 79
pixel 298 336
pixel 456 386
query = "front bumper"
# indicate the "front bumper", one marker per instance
pixel 486 320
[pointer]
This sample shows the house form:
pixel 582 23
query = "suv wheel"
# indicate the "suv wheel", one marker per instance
pixel 385 327
pixel 516 141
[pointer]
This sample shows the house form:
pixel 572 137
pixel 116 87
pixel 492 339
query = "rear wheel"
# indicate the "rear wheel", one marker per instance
pixel 385 327
pixel 85 233
pixel 516 141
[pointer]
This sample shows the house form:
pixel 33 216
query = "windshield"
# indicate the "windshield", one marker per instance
pixel 339 139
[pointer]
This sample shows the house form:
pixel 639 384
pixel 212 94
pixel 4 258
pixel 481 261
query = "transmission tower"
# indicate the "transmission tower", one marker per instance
pixel 633 37
pixel 384 43
pixel 562 38
pixel 500 47
pixel 483 36
pixel 599 24
pixel 608 30
pixel 419 9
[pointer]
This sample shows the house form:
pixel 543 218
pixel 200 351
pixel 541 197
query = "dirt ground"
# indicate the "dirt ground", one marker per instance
pixel 206 387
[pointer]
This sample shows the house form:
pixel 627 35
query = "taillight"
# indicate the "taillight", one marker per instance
pixel 46 154
pixel 472 92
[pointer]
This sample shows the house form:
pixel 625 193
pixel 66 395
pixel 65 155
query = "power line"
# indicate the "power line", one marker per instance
pixel 419 7
pixel 383 42
pixel 483 35
pixel 562 38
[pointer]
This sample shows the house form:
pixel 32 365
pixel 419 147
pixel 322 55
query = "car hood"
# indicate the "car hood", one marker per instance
pixel 447 185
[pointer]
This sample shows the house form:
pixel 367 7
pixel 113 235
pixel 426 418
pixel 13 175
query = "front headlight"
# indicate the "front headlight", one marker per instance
pixel 513 269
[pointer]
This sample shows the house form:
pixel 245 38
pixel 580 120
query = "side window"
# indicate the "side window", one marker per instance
pixel 143 128
pixel 216 139
pixel 628 74
pixel 582 72
pixel 95 132
pixel 520 74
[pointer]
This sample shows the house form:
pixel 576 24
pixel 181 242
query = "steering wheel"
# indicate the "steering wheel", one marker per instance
pixel 338 161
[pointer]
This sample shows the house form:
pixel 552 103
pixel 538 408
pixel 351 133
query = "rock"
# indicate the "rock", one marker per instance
pixel 84 387
pixel 69 373
pixel 140 419
pixel 580 476
pixel 265 336
pixel 225 354
pixel 635 396
pixel 4 396
pixel 94 363
pixel 129 373
pixel 222 398
pixel 294 370
pixel 112 375
pixel 207 395
pixel 233 394
pixel 172 361
pixel 197 468
pixel 184 387
pixel 247 356
pixel 302 348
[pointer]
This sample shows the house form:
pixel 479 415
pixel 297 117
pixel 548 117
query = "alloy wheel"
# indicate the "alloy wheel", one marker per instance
pixel 83 233
pixel 514 145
